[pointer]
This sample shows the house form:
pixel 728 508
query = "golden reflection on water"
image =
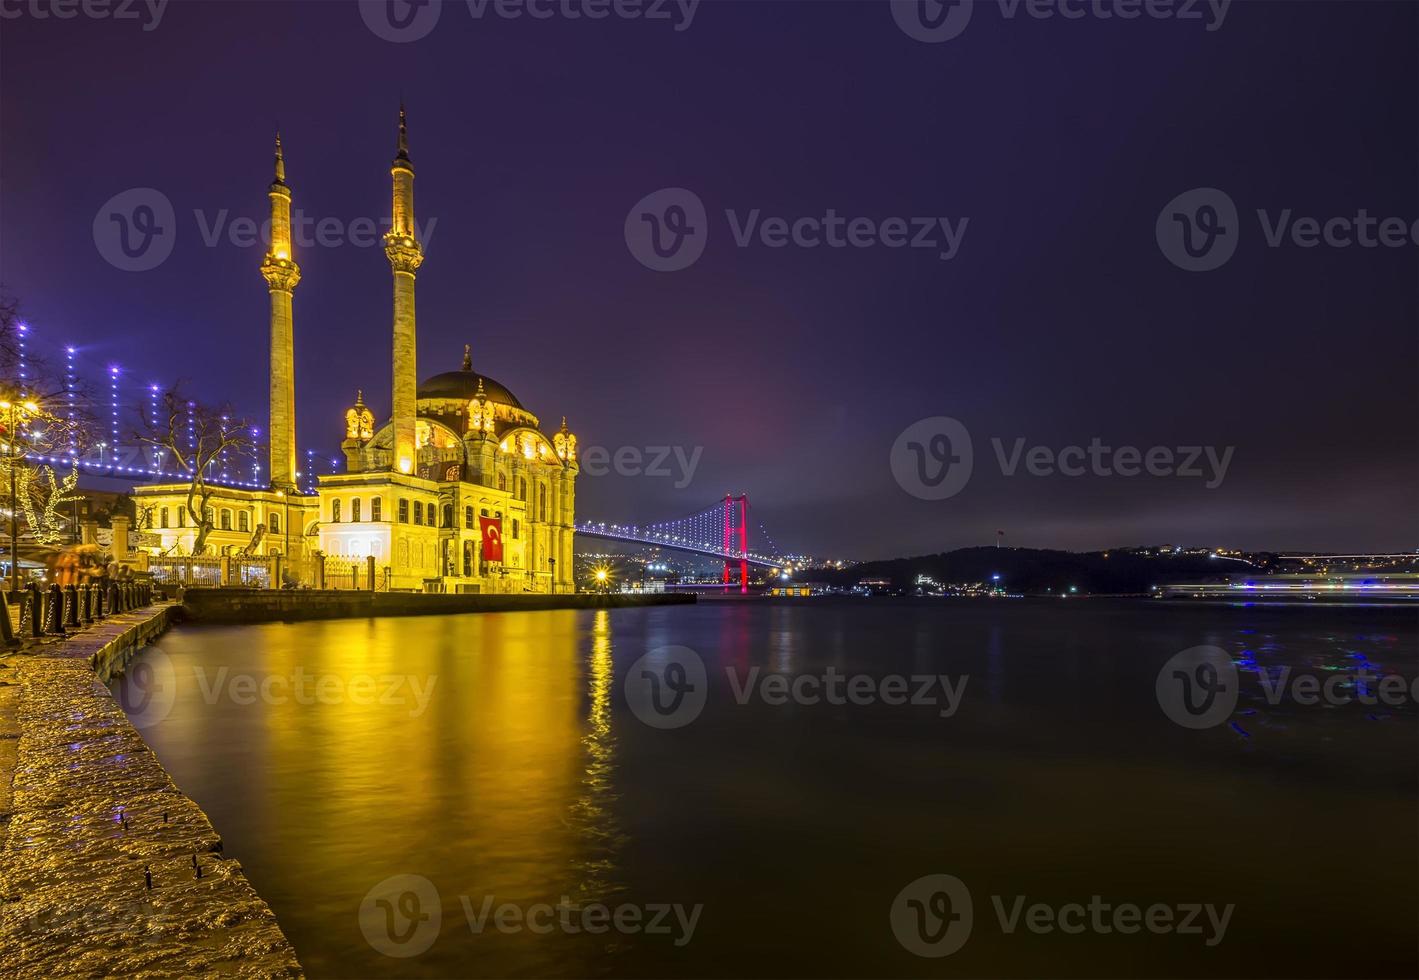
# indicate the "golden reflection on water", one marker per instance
pixel 500 781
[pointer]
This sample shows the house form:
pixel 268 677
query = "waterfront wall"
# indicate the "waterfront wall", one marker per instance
pixel 93 814
pixel 263 605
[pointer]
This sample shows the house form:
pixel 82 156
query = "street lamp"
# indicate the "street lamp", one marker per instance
pixel 13 456
pixel 286 521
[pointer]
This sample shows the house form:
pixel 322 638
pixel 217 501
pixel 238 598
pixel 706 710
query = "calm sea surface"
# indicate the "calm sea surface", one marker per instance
pixel 507 767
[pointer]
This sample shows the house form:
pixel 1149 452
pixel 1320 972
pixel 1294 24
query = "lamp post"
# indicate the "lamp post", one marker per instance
pixel 13 456
pixel 286 520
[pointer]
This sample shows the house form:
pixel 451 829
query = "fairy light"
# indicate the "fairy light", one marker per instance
pixel 113 408
pixel 23 330
pixel 255 460
pixel 225 473
pixel 153 424
pixel 192 434
pixel 70 384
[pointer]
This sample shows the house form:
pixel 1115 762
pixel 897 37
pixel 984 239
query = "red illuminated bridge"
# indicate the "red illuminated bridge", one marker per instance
pixel 719 531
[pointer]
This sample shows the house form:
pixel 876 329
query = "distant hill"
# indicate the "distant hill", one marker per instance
pixel 1034 571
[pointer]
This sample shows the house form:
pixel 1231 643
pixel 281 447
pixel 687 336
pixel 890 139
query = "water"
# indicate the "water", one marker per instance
pixel 527 777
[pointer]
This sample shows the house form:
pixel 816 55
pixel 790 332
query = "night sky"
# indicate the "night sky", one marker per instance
pixel 1059 319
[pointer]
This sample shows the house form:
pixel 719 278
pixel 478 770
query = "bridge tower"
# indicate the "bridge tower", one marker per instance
pixel 740 528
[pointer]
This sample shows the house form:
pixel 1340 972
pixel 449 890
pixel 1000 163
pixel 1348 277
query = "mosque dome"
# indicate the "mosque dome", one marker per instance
pixel 462 385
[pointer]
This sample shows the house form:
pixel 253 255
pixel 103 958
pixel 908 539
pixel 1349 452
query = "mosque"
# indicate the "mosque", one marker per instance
pixel 459 491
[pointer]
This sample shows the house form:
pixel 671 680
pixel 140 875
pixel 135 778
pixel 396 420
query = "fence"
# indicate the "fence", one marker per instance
pixel 186 571
pixel 59 609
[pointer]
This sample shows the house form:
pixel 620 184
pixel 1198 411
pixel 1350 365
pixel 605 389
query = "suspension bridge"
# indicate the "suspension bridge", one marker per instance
pixel 718 531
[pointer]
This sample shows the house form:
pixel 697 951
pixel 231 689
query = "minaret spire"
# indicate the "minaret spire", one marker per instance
pixel 467 357
pixel 403 153
pixel 280 160
pixel 405 254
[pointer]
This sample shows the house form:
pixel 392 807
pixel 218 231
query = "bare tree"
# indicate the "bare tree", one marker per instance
pixel 196 437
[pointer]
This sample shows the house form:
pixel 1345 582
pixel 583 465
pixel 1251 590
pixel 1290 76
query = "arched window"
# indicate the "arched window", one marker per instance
pixel 163 516
pixel 376 506
pixel 468 518
pixel 335 512
pixel 182 517
pixel 403 512
pixel 516 527
pixel 275 522
pixel 448 515
pixel 502 481
pixel 418 512
pixel 355 510
pixel 243 521
pixel 521 488
pixel 226 519
pixel 211 516
pixel 542 501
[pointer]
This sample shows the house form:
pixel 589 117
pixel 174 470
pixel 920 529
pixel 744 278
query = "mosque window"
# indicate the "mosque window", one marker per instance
pixel 448 515
pixel 275 523
pixel 182 517
pixel 521 488
pixel 243 521
pixel 335 512
pixel 418 512
pixel 226 519
pixel 403 511
pixel 163 516
pixel 502 481
pixel 355 510
pixel 376 506
pixel 468 518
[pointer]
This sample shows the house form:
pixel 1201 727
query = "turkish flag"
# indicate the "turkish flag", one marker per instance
pixel 492 538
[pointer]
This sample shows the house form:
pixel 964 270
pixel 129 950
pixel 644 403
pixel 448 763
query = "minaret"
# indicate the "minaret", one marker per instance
pixel 405 256
pixel 282 274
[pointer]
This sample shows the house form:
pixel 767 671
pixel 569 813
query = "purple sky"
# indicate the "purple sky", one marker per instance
pixel 1058 320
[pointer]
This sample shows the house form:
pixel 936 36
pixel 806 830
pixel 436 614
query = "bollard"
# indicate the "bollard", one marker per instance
pixel 54 613
pixel 113 599
pixel 71 606
pixel 7 629
pixel 86 603
pixel 98 601
pixel 36 607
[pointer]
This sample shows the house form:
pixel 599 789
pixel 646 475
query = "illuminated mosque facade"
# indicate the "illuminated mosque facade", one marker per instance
pixel 458 491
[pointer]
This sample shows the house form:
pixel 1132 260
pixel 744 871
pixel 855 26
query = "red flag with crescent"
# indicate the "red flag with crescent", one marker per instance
pixel 492 538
